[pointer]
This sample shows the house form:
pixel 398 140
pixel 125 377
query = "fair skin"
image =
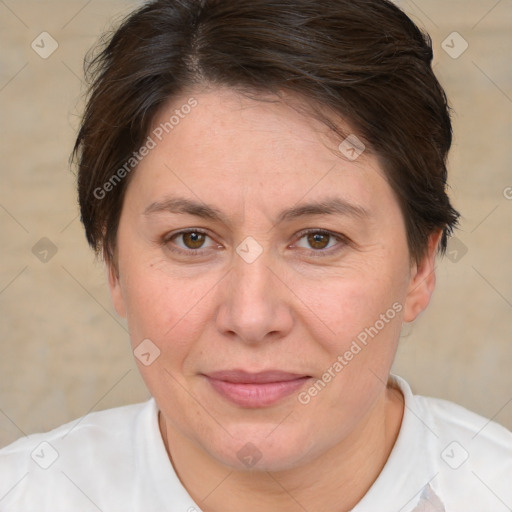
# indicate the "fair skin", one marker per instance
pixel 294 309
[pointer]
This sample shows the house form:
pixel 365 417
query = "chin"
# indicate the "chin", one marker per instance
pixel 254 449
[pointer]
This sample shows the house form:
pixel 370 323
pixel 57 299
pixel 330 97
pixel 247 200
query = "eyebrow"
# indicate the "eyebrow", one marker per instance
pixel 329 206
pixel 187 206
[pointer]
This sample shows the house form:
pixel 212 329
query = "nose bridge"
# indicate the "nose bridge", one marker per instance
pixel 252 305
pixel 251 280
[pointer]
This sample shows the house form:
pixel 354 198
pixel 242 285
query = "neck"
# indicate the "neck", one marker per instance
pixel 337 480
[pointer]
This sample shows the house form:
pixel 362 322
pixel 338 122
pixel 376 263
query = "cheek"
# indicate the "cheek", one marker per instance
pixel 361 319
pixel 345 305
pixel 167 309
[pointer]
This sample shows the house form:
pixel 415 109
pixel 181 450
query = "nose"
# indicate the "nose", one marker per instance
pixel 255 305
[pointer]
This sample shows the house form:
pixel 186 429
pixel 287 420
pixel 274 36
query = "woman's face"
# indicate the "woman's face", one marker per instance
pixel 269 276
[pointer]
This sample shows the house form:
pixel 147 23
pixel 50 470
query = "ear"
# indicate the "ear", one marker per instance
pixel 115 289
pixel 423 280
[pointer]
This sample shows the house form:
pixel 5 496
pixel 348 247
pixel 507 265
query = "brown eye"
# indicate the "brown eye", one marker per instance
pixel 318 240
pixel 191 243
pixel 193 239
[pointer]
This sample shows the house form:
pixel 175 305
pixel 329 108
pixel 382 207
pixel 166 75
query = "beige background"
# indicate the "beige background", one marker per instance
pixel 63 350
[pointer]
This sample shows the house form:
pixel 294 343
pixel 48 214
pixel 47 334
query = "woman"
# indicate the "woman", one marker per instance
pixel 266 182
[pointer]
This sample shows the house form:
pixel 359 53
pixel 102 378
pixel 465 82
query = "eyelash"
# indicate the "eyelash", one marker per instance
pixel 341 239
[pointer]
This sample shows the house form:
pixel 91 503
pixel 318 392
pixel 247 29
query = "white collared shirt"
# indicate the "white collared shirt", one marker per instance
pixel 446 458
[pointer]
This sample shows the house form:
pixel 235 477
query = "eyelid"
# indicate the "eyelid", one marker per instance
pixel 172 234
pixel 322 231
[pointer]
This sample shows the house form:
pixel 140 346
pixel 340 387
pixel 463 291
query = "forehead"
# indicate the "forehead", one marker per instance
pixel 255 146
pixel 224 117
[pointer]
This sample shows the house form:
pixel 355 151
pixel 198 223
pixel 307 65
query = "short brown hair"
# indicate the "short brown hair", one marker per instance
pixel 363 60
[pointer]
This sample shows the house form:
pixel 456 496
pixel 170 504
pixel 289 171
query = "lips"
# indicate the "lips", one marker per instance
pixel 254 390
